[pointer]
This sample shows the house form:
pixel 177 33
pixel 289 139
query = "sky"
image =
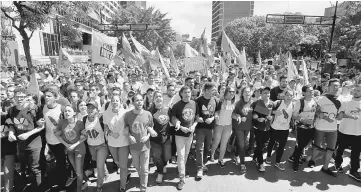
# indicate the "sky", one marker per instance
pixel 191 17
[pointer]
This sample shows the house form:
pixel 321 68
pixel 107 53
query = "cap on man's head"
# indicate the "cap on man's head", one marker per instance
pixel 94 103
pixel 347 84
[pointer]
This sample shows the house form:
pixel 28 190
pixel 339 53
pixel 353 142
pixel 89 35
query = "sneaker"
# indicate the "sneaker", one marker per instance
pixel 187 174
pixel 164 170
pixel 174 159
pixel 261 168
pixel 69 181
pixel 238 160
pixel 212 159
pixel 205 168
pixel 311 163
pixel 268 160
pixel 199 175
pixel 300 162
pixel 355 175
pixel 243 168
pixel 329 172
pixel 151 161
pixel 295 167
pixel 85 185
pixel 106 177
pixel 221 164
pixel 159 179
pixel 339 169
pixel 280 166
pixel 180 184
pixel 95 173
pixel 118 171
pixel 128 178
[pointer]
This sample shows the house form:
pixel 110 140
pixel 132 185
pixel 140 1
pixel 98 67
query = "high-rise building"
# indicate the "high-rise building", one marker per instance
pixel 226 11
pixel 139 4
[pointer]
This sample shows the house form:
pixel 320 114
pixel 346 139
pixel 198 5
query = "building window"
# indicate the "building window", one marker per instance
pixel 51 44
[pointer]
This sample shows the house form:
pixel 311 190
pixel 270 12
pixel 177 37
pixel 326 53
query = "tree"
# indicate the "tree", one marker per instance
pixel 179 51
pixel 28 16
pixel 151 39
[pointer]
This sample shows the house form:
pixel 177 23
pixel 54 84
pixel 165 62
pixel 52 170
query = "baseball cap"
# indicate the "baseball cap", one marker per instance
pixel 94 103
pixel 347 84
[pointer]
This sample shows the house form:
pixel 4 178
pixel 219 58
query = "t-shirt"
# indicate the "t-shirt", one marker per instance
pixel 282 122
pixel 186 114
pixel 94 131
pixel 309 110
pixel 116 125
pixel 70 132
pixel 351 126
pixel 244 110
pixel 262 110
pixel 51 117
pixel 24 121
pixel 225 113
pixel 161 118
pixel 277 94
pixel 329 109
pixel 207 108
pixel 137 124
pixel 7 147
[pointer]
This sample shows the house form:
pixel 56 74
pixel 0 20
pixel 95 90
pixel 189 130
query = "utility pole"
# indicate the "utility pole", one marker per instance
pixel 333 28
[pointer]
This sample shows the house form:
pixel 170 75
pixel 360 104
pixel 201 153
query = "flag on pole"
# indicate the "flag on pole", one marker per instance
pixel 173 62
pixel 139 58
pixel 291 68
pixel 104 48
pixel 305 72
pixel 127 50
pixel 189 51
pixel 228 46
pixel 64 62
pixel 259 58
pixel 141 48
pixel 165 70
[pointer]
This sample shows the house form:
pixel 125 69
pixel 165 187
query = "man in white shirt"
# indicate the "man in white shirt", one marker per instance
pixel 349 134
pixel 326 125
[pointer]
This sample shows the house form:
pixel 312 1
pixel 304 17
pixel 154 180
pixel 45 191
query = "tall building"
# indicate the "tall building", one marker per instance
pixel 226 11
pixel 139 4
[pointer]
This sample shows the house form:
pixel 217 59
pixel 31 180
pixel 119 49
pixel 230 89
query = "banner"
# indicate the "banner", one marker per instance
pixel 104 48
pixel 194 64
pixel 10 54
pixel 65 61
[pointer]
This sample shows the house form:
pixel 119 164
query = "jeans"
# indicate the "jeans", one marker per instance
pixel 345 141
pixel 60 157
pixel 32 158
pixel 183 147
pixel 261 138
pixel 174 146
pixel 330 137
pixel 9 168
pixel 161 154
pixel 203 144
pixel 221 135
pixel 76 159
pixel 141 163
pixel 280 136
pixel 100 154
pixel 120 156
pixel 241 140
pixel 251 140
pixel 304 137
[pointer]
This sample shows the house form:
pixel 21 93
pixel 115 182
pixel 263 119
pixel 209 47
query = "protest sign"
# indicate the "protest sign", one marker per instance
pixel 104 48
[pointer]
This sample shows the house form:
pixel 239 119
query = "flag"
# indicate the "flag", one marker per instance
pixel 165 70
pixel 173 62
pixel 64 62
pixel 228 46
pixel 291 68
pixel 259 58
pixel 189 51
pixel 305 72
pixel 104 48
pixel 139 58
pixel 223 65
pixel 127 51
pixel 242 59
pixel 141 48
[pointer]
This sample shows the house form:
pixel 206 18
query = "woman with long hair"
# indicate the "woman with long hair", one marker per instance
pixel 223 128
pixel 82 110
pixel 117 137
pixel 242 123
pixel 68 132
pixel 161 144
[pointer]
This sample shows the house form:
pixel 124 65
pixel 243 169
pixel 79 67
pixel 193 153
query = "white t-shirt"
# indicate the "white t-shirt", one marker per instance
pixel 351 126
pixel 95 132
pixel 282 122
pixel 309 109
pixel 51 117
pixel 329 109
pixel 225 114
pixel 116 125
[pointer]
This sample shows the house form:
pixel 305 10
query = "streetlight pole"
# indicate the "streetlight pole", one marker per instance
pixel 333 28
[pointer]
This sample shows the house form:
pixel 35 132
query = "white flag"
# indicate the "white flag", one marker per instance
pixel 104 48
pixel 64 62
pixel 291 68
pixel 165 70
pixel 189 51
pixel 305 72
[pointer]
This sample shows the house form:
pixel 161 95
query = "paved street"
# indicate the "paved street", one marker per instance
pixel 229 179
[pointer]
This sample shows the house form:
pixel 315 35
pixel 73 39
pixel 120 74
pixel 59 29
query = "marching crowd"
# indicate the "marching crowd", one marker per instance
pixel 81 118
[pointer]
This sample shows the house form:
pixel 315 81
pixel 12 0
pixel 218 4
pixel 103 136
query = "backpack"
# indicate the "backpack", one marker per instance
pixel 100 121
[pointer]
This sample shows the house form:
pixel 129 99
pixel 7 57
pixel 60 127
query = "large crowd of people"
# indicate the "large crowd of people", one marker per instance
pixel 82 118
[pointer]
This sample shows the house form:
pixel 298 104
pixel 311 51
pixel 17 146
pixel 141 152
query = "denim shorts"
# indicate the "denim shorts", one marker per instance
pixel 329 137
pixel 79 150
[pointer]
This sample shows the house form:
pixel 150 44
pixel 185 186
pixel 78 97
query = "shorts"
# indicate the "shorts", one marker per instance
pixel 79 150
pixel 329 137
pixel 95 148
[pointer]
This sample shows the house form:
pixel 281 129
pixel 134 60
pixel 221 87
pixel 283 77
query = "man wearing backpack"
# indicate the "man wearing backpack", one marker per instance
pixel 304 114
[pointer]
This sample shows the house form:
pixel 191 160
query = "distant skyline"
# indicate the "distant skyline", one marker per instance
pixel 191 17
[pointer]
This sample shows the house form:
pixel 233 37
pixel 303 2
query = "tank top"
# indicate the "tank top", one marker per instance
pixel 94 132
